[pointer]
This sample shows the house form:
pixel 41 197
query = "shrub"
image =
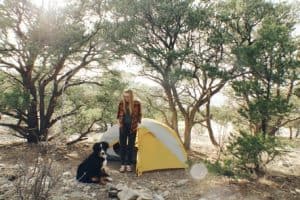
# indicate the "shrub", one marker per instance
pixel 250 153
pixel 36 178
pixel 221 168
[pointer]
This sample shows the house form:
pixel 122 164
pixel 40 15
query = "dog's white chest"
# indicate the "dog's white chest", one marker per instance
pixel 104 163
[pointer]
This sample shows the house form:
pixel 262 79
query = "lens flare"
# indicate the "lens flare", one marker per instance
pixel 198 171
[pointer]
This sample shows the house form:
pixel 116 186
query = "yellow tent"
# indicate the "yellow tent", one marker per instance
pixel 158 146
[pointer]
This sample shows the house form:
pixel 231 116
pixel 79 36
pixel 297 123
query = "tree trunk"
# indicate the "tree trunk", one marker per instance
pixel 32 138
pixel 208 124
pixel 297 133
pixel 33 129
pixel 187 134
pixel 264 127
pixel 175 122
pixel 291 132
pixel 172 106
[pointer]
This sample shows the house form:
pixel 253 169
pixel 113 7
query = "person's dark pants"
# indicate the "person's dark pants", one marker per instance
pixel 127 142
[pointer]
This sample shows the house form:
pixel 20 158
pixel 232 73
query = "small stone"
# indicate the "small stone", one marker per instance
pixel 158 197
pixel 127 194
pixel 86 188
pixel 73 154
pixel 139 187
pixel 67 174
pixel 110 186
pixel 165 193
pixel 120 187
pixel 297 190
pixel 134 183
pixel 293 192
pixel 113 193
pixel 182 182
pixel 144 196
pixel 286 164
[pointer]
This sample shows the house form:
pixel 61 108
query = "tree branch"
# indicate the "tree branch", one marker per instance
pixel 89 130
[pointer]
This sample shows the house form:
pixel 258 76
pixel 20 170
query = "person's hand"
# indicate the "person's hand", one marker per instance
pixel 119 124
pixel 138 126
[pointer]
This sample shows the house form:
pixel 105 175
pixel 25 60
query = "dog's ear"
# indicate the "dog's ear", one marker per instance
pixel 96 147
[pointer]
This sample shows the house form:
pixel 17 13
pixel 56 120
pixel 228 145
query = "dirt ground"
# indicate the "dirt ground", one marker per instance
pixel 276 186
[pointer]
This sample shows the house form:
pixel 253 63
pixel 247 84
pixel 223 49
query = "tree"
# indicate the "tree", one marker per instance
pixel 266 55
pixel 98 106
pixel 42 53
pixel 181 46
pixel 154 104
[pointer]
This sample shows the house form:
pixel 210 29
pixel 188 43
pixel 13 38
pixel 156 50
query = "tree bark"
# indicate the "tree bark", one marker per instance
pixel 187 134
pixel 172 106
pixel 297 133
pixel 209 128
pixel 291 132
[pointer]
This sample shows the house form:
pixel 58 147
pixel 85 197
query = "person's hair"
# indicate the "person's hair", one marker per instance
pixel 131 100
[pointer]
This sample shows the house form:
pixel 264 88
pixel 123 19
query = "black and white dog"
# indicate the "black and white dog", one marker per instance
pixel 92 169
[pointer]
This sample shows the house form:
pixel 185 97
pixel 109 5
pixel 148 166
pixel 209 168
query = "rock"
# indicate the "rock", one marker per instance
pixel 293 192
pixel 158 197
pixel 254 176
pixel 144 196
pixel 134 184
pixel 86 188
pixel 139 187
pixel 156 187
pixel 120 186
pixel 67 174
pixel 182 182
pixel 66 188
pixel 113 193
pixel 285 164
pixel 78 195
pixel 165 193
pixel 297 190
pixel 110 185
pixel 128 194
pixel 73 154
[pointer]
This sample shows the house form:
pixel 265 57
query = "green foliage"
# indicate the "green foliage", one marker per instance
pixel 153 106
pixel 250 153
pixel 222 115
pixel 43 52
pixel 95 104
pixel 12 96
pixel 297 92
pixel 265 55
pixel 220 168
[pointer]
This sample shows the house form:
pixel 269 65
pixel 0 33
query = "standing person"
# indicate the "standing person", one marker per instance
pixel 129 116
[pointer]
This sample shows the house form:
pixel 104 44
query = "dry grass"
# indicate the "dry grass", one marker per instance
pixel 37 174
